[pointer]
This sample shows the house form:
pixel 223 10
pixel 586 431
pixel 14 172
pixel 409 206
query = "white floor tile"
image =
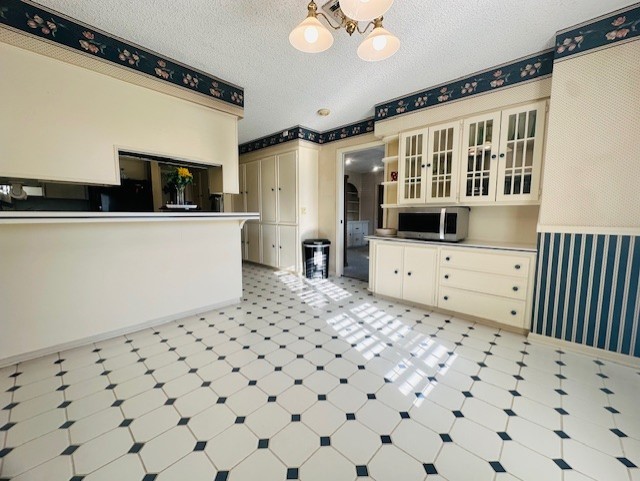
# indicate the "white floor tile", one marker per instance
pixel 167 448
pixel 102 450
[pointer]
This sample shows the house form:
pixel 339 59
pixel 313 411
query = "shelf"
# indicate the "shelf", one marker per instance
pixel 387 160
pixel 391 206
pixel 390 182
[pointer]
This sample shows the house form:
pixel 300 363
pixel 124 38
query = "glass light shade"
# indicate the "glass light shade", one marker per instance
pixel 379 45
pixel 311 36
pixel 365 10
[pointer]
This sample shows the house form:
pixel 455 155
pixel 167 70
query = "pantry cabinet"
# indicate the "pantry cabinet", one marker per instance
pixel 283 189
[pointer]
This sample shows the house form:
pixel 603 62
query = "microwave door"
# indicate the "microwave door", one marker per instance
pixel 443 220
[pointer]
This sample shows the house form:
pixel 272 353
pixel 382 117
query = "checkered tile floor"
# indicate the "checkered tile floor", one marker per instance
pixel 318 381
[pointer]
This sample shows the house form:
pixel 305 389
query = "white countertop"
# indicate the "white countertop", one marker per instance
pixel 32 217
pixel 465 243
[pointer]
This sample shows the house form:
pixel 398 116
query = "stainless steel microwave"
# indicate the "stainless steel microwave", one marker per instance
pixel 443 224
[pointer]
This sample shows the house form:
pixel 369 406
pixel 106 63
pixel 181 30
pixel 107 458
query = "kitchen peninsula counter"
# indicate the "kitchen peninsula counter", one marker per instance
pixel 70 278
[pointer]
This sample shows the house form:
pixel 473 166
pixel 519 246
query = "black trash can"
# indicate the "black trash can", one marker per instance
pixel 316 258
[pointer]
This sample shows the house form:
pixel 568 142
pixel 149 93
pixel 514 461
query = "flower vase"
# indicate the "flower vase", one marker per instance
pixel 180 195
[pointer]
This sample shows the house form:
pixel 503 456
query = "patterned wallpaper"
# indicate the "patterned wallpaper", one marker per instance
pixel 608 30
pixel 588 290
pixel 37 21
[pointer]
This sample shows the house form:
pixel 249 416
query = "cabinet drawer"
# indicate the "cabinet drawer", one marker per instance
pixel 494 308
pixel 494 284
pixel 502 264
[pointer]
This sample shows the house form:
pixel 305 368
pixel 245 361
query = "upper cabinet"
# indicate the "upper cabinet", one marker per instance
pixel 412 167
pixel 491 158
pixel 442 162
pixel 520 162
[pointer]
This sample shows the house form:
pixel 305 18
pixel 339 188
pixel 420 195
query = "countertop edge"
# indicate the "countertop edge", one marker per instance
pixel 101 217
pixel 466 243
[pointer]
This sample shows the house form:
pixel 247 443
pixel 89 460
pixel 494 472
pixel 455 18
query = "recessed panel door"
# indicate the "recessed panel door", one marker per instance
pixel 253 242
pixel 288 247
pixel 268 186
pixel 287 186
pixel 412 167
pixel 389 270
pixel 269 245
pixel 252 186
pixel 420 270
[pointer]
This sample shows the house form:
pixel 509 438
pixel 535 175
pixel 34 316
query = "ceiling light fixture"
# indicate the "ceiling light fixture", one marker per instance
pixel 311 36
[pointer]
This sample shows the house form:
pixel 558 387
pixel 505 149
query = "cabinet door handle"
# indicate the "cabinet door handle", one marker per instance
pixel 429 166
pixel 517 267
pixel 446 298
pixel 280 247
pixel 515 289
pixel 396 271
pixel 494 156
pixel 408 273
pixel 446 276
pixel 272 189
pixel 502 156
pixel 447 259
pixel 513 313
pixel 273 245
pixel 279 188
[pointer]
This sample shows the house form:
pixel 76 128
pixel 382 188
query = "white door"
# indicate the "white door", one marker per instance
pixel 479 165
pixel 412 167
pixel 520 162
pixel 269 245
pixel 442 163
pixel 389 270
pixel 268 184
pixel 252 186
pixel 420 269
pixel 287 188
pixel 239 201
pixel 253 242
pixel 288 247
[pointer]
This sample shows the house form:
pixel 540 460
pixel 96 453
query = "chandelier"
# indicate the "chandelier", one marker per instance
pixel 311 36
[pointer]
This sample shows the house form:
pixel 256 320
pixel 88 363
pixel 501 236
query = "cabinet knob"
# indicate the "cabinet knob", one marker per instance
pixel 273 245
pixel 513 313
pixel 515 289
pixel 494 156
pixel 447 259
pixel 280 247
pixel 279 188
pixel 429 165
pixel 408 273
pixel 517 266
pixel 502 156
pixel 272 189
pixel 446 298
pixel 446 276
pixel 396 271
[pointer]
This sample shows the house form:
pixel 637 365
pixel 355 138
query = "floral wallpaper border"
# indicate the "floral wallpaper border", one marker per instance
pixel 615 27
pixel 519 71
pixel 303 133
pixel 43 23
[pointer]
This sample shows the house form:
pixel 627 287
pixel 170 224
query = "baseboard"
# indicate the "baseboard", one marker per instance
pixel 616 357
pixel 111 334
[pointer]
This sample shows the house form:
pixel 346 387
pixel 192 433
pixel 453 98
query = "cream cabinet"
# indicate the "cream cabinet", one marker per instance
pixel 252 186
pixel 239 200
pixel 283 188
pixel 443 160
pixel 504 150
pixel 412 167
pixel 405 272
pixel 253 248
pixel 486 283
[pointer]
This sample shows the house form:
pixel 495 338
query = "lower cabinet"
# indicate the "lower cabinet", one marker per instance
pixel 253 242
pixel 407 273
pixel 487 283
pixel 280 246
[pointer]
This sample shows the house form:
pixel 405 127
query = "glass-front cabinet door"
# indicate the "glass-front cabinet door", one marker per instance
pixel 521 143
pixel 412 167
pixel 479 164
pixel 442 163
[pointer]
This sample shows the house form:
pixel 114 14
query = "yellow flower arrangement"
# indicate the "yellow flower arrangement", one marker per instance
pixel 181 177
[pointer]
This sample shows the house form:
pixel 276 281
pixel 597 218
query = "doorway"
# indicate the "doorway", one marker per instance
pixel 363 174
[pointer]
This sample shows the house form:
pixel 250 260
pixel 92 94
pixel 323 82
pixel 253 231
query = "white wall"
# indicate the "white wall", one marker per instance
pixel 63 122
pixel 64 283
pixel 592 165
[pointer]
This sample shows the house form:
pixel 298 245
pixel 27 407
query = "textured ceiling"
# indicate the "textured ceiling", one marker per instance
pixel 363 161
pixel 246 42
